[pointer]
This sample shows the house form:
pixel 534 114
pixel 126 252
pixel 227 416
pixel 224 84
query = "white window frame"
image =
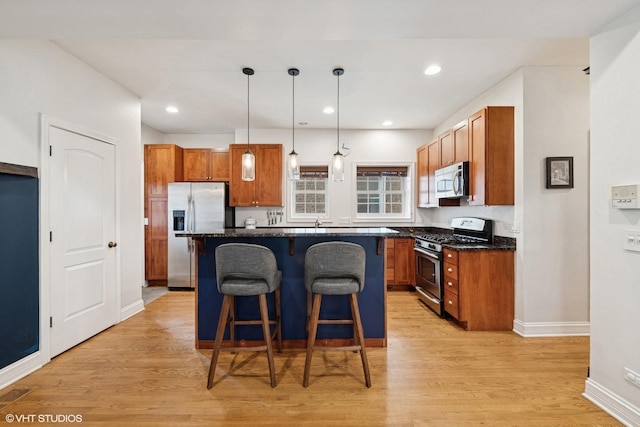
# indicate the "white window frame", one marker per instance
pixel 408 201
pixel 308 218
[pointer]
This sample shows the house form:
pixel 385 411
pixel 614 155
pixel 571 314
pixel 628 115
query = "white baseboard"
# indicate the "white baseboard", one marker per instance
pixel 612 404
pixel 20 369
pixel 551 329
pixel 131 309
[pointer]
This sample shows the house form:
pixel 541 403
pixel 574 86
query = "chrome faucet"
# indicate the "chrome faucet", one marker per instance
pixel 318 223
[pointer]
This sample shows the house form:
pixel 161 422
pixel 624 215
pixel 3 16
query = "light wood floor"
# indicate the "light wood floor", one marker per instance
pixel 146 371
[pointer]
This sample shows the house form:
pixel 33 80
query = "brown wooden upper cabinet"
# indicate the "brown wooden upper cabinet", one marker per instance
pixel 204 164
pixel 429 159
pixel 266 190
pixel 491 148
pixel 454 144
pixel 162 165
pixel 486 140
pixel 460 141
pixel 445 144
pixel 423 176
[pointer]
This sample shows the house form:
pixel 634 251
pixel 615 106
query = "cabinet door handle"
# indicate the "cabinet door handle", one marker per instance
pixel 112 244
pixel 449 283
pixel 450 302
pixel 449 256
pixel 449 270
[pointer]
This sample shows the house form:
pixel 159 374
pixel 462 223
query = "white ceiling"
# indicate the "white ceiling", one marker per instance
pixel 190 53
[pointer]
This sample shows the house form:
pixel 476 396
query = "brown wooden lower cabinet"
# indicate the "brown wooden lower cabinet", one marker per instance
pixel 400 265
pixel 479 288
pixel 156 241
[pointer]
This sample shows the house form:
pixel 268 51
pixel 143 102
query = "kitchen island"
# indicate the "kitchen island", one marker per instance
pixel 289 246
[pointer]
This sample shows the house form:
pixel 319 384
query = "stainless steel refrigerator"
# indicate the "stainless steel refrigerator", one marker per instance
pixel 193 207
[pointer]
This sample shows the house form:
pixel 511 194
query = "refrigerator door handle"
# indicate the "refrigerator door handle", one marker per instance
pixel 189 215
pixel 193 214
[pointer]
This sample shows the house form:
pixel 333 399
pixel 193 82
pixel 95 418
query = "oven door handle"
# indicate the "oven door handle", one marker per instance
pixel 429 254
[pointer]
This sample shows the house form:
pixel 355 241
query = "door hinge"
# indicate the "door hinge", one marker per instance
pixel 50 151
pixel 51 236
pixel 51 321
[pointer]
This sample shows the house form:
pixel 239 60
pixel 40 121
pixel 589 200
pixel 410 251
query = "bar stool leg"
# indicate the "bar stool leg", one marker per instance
pixel 267 337
pixel 279 320
pixel 359 337
pixel 311 340
pixel 222 323
pixel 309 308
pixel 232 321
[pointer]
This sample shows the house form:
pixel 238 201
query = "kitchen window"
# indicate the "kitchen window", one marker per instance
pixel 309 197
pixel 383 192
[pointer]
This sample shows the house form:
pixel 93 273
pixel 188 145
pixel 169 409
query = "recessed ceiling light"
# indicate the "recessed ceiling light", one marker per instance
pixel 387 123
pixel 171 109
pixel 328 110
pixel 432 69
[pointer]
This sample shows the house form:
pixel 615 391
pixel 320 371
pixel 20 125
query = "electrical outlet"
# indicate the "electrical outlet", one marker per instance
pixel 515 227
pixel 632 377
pixel 345 220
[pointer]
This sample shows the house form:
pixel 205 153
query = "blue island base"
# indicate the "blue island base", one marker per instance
pixel 290 252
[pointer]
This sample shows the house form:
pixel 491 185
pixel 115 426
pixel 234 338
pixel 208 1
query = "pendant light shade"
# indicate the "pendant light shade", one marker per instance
pixel 248 158
pixel 293 162
pixel 337 171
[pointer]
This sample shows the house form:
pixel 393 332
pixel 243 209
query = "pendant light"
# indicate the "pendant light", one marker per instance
pixel 338 159
pixel 293 163
pixel 248 159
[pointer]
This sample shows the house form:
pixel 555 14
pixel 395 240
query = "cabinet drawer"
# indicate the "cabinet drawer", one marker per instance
pixel 451 303
pixel 451 285
pixel 450 271
pixel 451 256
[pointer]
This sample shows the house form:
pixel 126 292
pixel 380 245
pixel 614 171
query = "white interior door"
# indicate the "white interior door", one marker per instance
pixel 82 249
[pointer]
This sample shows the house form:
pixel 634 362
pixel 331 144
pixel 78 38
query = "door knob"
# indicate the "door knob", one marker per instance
pixel 112 244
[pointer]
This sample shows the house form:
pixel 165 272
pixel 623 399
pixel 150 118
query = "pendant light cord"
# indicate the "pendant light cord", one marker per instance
pixel 338 115
pixel 293 113
pixel 247 111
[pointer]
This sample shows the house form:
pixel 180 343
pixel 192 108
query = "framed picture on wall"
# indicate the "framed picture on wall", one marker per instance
pixel 559 172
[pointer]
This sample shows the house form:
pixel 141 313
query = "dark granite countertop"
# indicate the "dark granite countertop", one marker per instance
pixel 293 232
pixel 500 243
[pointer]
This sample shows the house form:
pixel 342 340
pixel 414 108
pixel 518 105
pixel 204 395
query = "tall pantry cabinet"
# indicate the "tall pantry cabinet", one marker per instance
pixel 162 165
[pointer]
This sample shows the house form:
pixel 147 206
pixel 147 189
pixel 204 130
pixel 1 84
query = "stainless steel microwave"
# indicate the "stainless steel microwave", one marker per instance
pixel 452 181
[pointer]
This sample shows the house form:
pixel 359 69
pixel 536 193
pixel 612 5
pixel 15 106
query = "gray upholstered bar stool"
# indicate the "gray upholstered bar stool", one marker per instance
pixel 244 269
pixel 335 268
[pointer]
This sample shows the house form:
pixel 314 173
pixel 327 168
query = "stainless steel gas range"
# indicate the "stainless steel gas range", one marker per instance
pixel 428 253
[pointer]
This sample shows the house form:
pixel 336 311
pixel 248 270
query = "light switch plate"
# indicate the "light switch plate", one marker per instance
pixel 632 240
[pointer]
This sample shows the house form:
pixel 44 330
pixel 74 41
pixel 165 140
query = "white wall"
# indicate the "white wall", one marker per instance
pixel 555 221
pixel 551 119
pixel 614 272
pixel 150 135
pixel 36 77
pixel 214 140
